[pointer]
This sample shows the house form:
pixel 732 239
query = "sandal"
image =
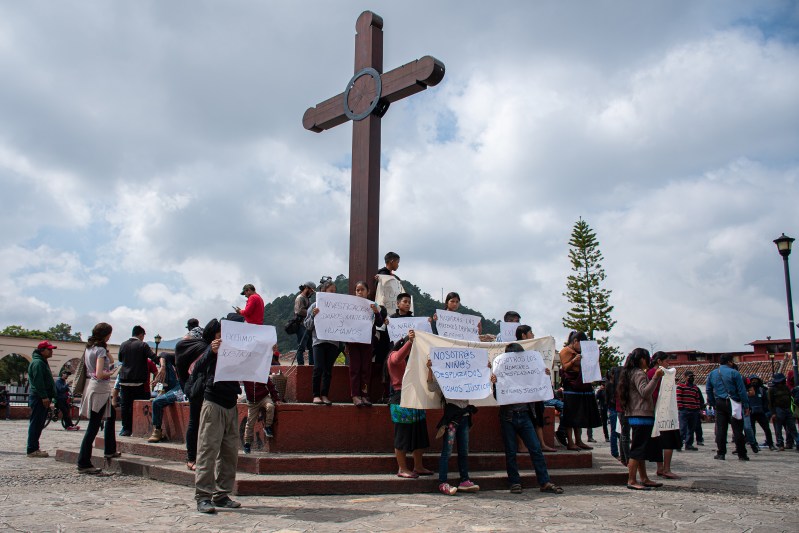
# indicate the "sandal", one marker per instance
pixel 423 472
pixel 191 466
pixel 552 488
pixel 669 475
pixel 318 401
pixel 585 446
pixel 407 475
pixel 637 487
pixel 573 448
pixel 653 484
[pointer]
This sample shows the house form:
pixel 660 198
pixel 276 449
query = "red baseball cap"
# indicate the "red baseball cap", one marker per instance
pixel 45 345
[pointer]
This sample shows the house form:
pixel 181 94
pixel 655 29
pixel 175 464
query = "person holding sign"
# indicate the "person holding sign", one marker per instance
pixel 525 332
pixel 635 396
pixel 410 425
pixel 579 403
pixel 453 303
pixel 507 328
pixel 453 426
pixel 325 352
pixel 517 421
pixel 361 356
pixel 669 440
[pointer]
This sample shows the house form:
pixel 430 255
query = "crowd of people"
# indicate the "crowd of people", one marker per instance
pixel 623 403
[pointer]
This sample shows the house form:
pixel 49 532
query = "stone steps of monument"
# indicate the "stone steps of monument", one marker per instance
pixel 344 463
pixel 331 484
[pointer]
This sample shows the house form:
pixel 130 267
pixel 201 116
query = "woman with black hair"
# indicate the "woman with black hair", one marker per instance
pixel 579 402
pixel 635 397
pixel 325 352
pixel 668 440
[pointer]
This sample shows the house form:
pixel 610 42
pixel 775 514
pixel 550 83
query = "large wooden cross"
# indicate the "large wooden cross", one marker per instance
pixel 364 101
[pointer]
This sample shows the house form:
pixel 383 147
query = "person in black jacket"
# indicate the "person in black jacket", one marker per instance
pixel 187 351
pixel 133 379
pixel 218 447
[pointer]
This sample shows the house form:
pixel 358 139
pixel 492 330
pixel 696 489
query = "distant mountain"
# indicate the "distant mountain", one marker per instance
pixel 281 310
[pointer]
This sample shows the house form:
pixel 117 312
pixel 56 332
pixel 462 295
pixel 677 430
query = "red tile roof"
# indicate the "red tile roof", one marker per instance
pixel 761 368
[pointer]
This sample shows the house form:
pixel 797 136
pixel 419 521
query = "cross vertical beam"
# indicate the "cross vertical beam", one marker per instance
pixel 365 195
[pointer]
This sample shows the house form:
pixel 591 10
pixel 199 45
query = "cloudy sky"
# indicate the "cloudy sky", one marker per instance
pixel 153 160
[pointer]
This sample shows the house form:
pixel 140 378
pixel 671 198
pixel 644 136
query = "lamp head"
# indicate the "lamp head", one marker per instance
pixel 784 245
pixel 157 339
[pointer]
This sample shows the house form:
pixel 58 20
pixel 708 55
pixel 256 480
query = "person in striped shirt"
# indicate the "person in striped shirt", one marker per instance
pixel 689 406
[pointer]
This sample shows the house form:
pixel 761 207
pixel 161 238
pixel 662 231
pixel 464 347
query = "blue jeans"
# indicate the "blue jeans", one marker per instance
pixel 519 423
pixel 614 436
pixel 748 431
pixel 304 340
pixel 784 420
pixel 37 420
pixel 689 419
pixel 460 433
pixel 168 398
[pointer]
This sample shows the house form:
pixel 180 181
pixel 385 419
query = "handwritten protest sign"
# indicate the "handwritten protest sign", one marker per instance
pixel 507 331
pixel 245 353
pixel 590 361
pixel 388 287
pixel 343 318
pixel 462 373
pixel 521 378
pixel 398 327
pixel 666 414
pixel 457 325
pixel 415 392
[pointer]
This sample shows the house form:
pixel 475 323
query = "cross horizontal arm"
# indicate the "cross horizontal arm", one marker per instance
pixel 399 83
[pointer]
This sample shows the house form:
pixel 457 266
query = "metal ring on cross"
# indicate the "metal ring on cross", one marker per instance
pixel 368 71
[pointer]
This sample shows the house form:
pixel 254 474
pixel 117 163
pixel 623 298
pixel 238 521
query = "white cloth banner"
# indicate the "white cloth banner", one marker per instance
pixel 507 331
pixel 343 318
pixel 245 353
pixel 589 364
pixel 521 378
pixel 666 414
pixel 388 287
pixel 415 393
pixel 462 373
pixel 454 325
pixel 398 327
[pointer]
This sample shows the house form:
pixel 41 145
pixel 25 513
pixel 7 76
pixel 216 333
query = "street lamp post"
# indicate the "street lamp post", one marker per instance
pixel 157 339
pixel 771 357
pixel 784 246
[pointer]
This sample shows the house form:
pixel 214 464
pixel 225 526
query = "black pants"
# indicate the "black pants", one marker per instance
pixel 66 419
pixel 325 355
pixel 195 408
pixel 37 420
pixel 603 415
pixel 761 419
pixel 723 420
pixel 85 455
pixel 129 394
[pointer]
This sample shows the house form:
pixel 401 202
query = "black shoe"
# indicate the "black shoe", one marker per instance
pixel 227 503
pixel 691 449
pixel 743 457
pixel 247 447
pixel 719 456
pixel 125 433
pixel 268 432
pixel 755 448
pixel 591 439
pixel 205 506
pixel 561 436
pixel 700 443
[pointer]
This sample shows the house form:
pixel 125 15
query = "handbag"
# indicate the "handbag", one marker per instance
pixel 293 325
pixel 80 377
pixel 736 407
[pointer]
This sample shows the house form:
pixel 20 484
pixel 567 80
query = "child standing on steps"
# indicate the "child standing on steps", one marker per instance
pixel 454 426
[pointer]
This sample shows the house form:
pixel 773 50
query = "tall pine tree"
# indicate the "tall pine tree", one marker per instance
pixel 591 307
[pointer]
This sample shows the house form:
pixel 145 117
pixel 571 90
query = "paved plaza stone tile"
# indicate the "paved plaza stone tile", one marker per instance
pixel 730 496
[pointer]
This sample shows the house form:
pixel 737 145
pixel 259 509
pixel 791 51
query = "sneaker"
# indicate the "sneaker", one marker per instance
pixel 468 486
pixel 719 456
pixel 700 443
pixel 446 488
pixel 39 454
pixel 516 488
pixel 205 506
pixel 157 436
pixel 125 433
pixel 743 457
pixel 269 433
pixel 782 448
pixel 755 448
pixel 247 448
pixel 591 439
pixel 691 449
pixel 88 470
pixel 561 436
pixel 73 428
pixel 226 503
pixel 113 455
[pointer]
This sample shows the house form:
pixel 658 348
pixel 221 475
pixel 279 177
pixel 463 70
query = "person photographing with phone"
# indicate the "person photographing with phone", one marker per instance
pixel 253 311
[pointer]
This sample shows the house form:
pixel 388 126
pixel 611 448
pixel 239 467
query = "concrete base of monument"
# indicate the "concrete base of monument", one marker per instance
pixel 331 482
pixel 340 428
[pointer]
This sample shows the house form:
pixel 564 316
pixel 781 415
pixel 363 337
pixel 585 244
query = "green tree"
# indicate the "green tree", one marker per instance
pixel 63 332
pixel 591 309
pixel 13 369
pixel 19 331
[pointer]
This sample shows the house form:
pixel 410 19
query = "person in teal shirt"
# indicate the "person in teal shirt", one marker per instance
pixel 42 392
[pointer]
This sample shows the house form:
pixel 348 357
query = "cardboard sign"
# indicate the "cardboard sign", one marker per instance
pixel 454 325
pixel 507 331
pixel 245 353
pixel 388 287
pixel 589 364
pixel 343 318
pixel 398 327
pixel 521 378
pixel 462 373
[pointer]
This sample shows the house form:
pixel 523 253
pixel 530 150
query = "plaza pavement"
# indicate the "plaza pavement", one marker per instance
pixel 730 496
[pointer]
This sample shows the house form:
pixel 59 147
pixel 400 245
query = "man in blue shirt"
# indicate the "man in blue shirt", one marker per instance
pixel 724 386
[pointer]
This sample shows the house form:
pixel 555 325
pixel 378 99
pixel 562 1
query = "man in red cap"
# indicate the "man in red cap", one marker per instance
pixel 42 392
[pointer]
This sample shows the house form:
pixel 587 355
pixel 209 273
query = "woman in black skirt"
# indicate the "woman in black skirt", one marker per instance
pixel 668 440
pixel 579 403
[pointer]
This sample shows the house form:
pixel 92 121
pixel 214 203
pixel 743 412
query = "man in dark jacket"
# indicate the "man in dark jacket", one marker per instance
pixel 759 411
pixel 218 448
pixel 779 401
pixel 62 401
pixel 133 377
pixel 42 392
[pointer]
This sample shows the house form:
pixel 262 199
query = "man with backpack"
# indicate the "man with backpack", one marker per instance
pixel 779 401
